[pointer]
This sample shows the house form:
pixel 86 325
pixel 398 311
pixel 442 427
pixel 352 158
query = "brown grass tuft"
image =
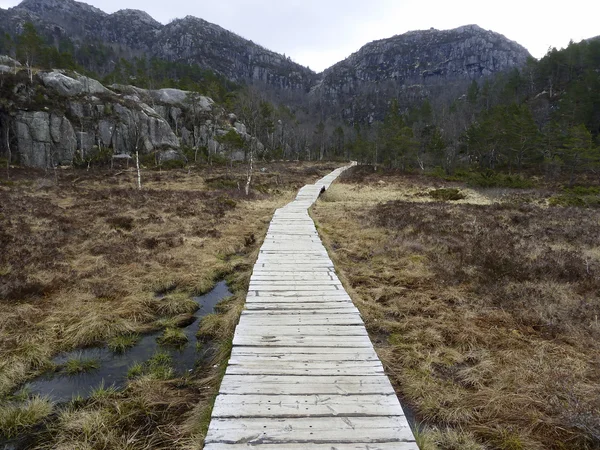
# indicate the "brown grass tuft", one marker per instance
pixel 484 311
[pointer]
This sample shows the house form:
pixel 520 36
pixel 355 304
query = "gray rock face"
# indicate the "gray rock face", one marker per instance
pixel 122 121
pixel 62 84
pixel 8 61
pixel 70 87
pixel 415 61
pixel 466 52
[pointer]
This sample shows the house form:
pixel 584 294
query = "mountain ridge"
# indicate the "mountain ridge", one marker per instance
pixel 61 12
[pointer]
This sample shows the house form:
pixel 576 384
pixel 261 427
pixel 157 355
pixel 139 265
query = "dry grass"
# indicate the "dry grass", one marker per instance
pixel 88 259
pixel 484 310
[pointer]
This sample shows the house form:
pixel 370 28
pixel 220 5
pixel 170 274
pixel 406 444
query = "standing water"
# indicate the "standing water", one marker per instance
pixel 113 368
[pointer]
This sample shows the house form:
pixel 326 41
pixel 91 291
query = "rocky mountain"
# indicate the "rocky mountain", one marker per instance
pixel 409 67
pixel 134 33
pixel 65 117
pixel 411 64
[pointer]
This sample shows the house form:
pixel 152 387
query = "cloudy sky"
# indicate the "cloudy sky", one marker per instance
pixel 319 33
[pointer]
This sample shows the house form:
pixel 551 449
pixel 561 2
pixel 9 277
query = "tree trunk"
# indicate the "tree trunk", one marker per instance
pixel 137 165
pixel 8 150
pixel 250 169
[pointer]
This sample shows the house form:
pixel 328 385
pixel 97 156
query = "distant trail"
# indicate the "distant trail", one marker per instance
pixel 303 373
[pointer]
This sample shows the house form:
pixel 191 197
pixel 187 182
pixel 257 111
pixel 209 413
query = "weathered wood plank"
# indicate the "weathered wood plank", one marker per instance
pixel 235 405
pixel 314 446
pixel 302 330
pixel 302 341
pixel 310 430
pixel 309 352
pixel 269 321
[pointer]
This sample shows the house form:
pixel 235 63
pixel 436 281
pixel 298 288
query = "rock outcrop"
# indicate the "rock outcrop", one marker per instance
pixel 63 117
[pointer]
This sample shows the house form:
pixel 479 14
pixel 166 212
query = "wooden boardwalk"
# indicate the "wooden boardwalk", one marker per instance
pixel 303 373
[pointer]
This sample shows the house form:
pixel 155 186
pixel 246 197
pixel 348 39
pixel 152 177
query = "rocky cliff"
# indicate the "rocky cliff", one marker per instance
pixel 135 33
pixel 410 64
pixel 62 117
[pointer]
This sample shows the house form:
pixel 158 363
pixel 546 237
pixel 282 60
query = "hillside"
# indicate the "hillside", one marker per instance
pixel 132 33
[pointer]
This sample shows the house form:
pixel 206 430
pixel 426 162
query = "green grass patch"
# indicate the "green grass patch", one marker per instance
pixel 123 342
pixel 159 366
pixel 102 392
pixel 135 371
pixel 81 365
pixel 174 337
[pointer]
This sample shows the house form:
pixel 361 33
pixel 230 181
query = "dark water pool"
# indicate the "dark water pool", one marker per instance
pixel 113 367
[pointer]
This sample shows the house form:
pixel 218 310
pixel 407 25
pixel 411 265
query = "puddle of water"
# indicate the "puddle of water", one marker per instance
pixel 113 367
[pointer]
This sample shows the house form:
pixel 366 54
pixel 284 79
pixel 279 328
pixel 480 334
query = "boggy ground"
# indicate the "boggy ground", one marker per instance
pixel 485 310
pixel 88 259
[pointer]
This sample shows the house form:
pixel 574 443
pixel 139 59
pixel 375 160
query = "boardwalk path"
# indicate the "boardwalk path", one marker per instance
pixel 303 373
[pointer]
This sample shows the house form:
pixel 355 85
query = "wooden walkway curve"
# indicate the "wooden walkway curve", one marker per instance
pixel 303 373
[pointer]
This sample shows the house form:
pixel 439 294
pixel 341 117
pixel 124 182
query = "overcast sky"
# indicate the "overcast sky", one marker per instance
pixel 319 33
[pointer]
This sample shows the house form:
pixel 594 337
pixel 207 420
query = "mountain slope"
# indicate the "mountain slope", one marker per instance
pixel 133 33
pixel 409 67
pixel 414 66
pixel 468 52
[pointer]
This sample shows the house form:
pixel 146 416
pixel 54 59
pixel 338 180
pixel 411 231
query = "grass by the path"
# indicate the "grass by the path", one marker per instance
pixel 92 260
pixel 483 309
pixel 81 365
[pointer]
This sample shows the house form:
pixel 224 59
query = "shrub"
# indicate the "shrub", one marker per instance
pixel 447 194
pixel 121 222
pixel 490 179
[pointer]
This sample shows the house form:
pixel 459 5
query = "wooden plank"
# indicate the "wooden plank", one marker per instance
pixel 306 312
pixel 306 388
pixel 268 370
pixel 302 330
pixel 314 446
pixel 310 430
pixel 333 300
pixel 268 321
pixel 330 358
pixel 309 352
pixel 257 284
pixel 307 295
pixel 302 341
pixel 235 405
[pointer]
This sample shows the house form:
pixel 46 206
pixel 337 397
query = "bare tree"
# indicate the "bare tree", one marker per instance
pixel 250 167
pixel 135 139
pixel 8 149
